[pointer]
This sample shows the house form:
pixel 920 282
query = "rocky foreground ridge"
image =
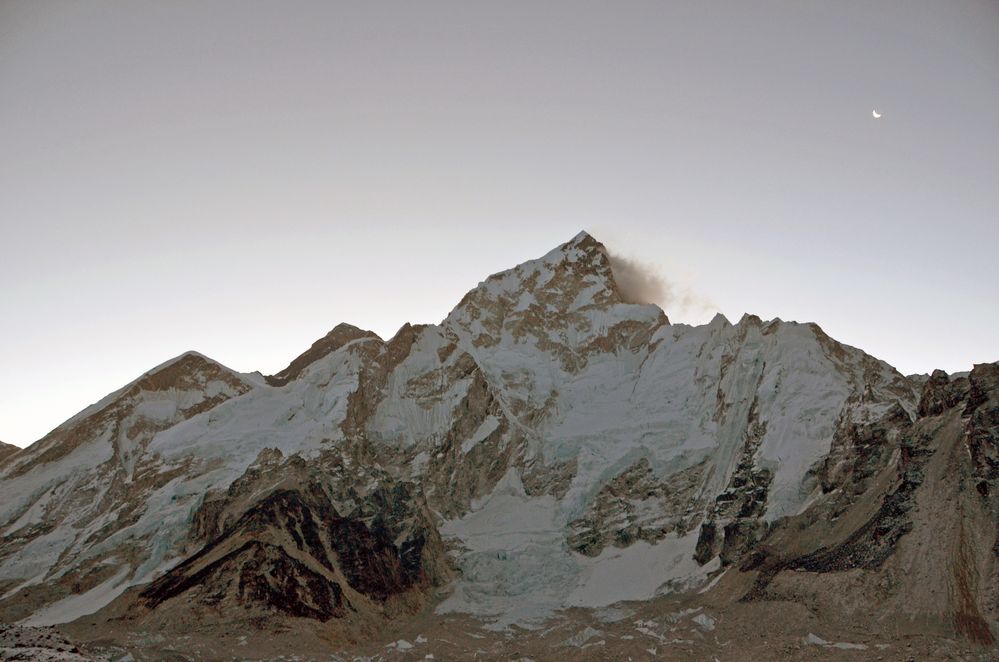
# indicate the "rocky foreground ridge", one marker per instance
pixel 7 449
pixel 549 445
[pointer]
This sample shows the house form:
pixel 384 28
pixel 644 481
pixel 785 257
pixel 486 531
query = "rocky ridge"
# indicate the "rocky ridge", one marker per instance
pixel 7 450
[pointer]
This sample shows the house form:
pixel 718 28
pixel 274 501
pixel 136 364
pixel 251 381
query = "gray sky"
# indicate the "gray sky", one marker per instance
pixel 237 177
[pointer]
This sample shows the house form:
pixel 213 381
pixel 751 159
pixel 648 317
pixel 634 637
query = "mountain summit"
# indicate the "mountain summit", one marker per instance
pixel 547 445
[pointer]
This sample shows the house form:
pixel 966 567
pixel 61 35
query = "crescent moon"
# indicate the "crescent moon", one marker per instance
pixel 876 114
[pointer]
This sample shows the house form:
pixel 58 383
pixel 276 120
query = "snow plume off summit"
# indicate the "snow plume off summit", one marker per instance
pixel 640 282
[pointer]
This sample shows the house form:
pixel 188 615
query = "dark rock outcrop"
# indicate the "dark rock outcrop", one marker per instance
pixel 302 548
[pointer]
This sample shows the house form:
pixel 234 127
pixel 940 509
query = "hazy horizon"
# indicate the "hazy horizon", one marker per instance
pixel 236 178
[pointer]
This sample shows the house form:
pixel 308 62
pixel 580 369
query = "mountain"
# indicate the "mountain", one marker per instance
pixel 549 445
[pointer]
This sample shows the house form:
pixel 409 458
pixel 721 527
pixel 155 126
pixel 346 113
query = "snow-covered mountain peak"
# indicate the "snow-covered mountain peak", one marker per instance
pixel 341 335
pixel 111 436
pixel 719 320
pixel 568 297
pixel 581 263
pixel 188 370
pixel 583 247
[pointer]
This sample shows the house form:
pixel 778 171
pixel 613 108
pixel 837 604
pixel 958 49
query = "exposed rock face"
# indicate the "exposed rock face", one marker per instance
pixel 6 450
pixel 909 521
pixel 292 552
pixel 940 393
pixel 735 522
pixel 982 409
pixel 547 432
pixel 638 505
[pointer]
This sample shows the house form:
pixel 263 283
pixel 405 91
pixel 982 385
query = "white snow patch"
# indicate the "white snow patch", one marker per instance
pixel 75 606
pixel 401 645
pixel 577 640
pixel 710 585
pixel 815 640
pixel 705 621
pixel 487 427
pixel 636 572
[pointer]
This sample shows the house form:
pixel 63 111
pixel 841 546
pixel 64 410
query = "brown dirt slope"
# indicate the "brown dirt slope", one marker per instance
pixel 6 450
